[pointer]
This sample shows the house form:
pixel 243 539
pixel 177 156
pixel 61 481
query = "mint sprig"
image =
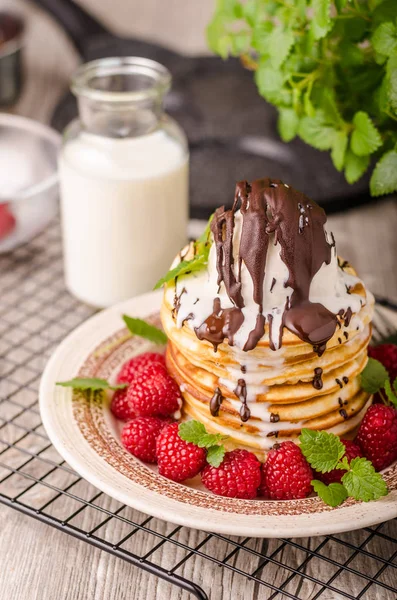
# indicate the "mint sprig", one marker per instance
pixel 325 452
pixel 201 252
pixel 330 68
pixel 91 383
pixel 374 376
pixel 195 432
pixel 333 494
pixel 322 450
pixel 142 329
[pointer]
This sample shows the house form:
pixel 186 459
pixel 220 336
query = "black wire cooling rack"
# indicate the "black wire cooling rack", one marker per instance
pixel 35 315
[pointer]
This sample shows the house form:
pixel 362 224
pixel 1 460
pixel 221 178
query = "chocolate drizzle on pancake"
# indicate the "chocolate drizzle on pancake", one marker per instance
pixel 216 402
pixel 317 381
pixel 268 206
pixel 241 393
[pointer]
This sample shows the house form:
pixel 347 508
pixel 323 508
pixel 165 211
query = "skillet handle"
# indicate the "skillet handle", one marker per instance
pixel 74 20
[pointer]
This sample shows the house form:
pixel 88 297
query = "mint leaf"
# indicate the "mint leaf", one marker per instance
pixel 355 166
pixel 317 131
pixel 339 148
pixel 365 137
pixel 333 494
pixel 321 23
pixel 288 123
pixel 195 432
pixel 362 482
pixel 384 39
pixel 280 43
pixel 268 79
pixel 322 450
pixel 142 329
pixel 384 176
pixel 215 455
pixel 91 383
pixel 390 393
pixel 343 465
pixel 374 376
pixel 391 79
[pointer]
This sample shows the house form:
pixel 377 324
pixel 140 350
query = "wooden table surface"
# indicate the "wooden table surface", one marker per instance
pixel 36 561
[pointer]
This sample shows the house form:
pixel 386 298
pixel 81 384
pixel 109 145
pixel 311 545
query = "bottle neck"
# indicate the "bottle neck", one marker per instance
pixel 119 120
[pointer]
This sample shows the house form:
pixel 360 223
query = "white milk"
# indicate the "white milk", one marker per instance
pixel 124 212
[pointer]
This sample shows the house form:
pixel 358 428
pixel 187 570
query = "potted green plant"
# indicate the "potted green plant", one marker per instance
pixel 330 68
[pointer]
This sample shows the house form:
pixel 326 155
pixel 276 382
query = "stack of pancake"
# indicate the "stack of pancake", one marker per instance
pixel 266 394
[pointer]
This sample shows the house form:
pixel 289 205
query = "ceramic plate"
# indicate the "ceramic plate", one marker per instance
pixel 87 436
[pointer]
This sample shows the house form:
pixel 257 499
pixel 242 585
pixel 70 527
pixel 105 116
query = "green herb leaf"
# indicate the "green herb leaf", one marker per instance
pixel 215 455
pixel 339 148
pixel 91 383
pixel 391 79
pixel 390 393
pixel 374 376
pixel 384 176
pixel 333 494
pixel 268 80
pixel 288 123
pixel 195 432
pixel 362 482
pixel 142 329
pixel 197 263
pixel 317 131
pixel 355 166
pixel 384 39
pixel 365 137
pixel 280 44
pixel 322 450
pixel 343 465
pixel 321 23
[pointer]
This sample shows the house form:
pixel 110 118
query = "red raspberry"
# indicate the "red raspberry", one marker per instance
pixel 335 476
pixel 121 407
pixel 7 221
pixel 153 393
pixel 139 437
pixel 137 364
pixel 238 475
pixel 387 355
pixel 286 474
pixel 377 436
pixel 178 460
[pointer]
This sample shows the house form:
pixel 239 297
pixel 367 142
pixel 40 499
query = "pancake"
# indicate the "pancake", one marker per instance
pixel 271 335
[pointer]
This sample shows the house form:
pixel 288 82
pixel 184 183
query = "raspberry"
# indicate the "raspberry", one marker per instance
pixel 7 221
pixel 139 437
pixel 335 476
pixel 137 364
pixel 377 436
pixel 121 407
pixel 153 393
pixel 238 475
pixel 387 355
pixel 286 475
pixel 178 460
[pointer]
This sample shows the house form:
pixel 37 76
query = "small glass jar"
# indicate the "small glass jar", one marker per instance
pixel 123 181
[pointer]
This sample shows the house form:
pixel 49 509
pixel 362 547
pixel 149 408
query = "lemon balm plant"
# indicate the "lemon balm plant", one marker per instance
pixel 330 68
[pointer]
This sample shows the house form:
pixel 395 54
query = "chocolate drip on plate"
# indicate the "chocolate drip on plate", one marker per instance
pixel 241 393
pixel 216 402
pixel 317 381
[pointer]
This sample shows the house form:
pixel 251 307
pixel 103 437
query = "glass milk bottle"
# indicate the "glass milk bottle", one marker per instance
pixel 123 180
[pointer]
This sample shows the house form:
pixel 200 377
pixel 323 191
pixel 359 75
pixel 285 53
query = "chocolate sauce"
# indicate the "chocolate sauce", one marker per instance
pixel 243 369
pixel 216 402
pixel 345 333
pixel 338 381
pixel 345 380
pixel 343 413
pixel 272 284
pixel 274 418
pixel 347 317
pixel 268 206
pixel 241 393
pixel 340 402
pixel 317 381
pixel 177 300
pixel 220 324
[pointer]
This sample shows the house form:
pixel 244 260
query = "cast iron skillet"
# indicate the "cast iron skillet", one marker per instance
pixel 231 129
